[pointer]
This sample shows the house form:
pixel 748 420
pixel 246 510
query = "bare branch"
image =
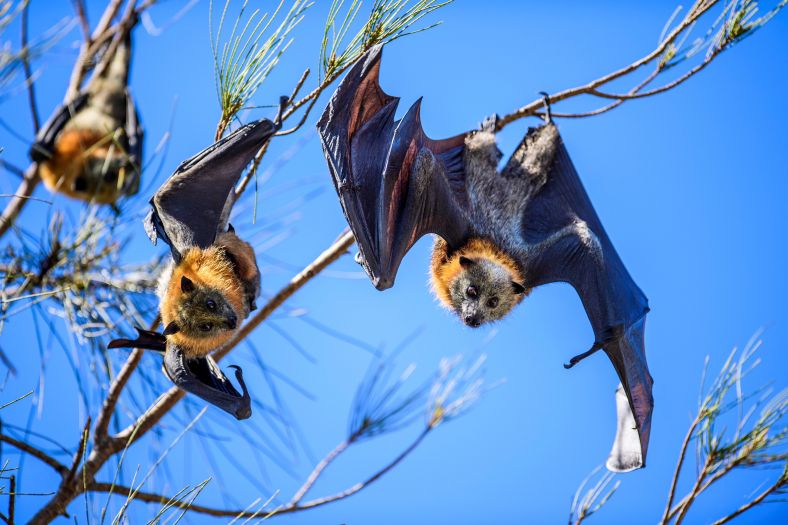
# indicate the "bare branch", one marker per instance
pixel 29 449
pixel 31 93
pixel 777 486
pixel 82 15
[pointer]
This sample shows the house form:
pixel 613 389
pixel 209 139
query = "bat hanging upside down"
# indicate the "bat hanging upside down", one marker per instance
pixel 499 234
pixel 91 148
pixel 212 282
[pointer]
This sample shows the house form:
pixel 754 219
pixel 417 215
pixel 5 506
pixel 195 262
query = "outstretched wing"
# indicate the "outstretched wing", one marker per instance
pixel 568 243
pixel 194 204
pixel 394 183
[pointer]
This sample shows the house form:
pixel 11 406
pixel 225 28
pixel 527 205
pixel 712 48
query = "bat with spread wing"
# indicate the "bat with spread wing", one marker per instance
pixel 91 147
pixel 211 284
pixel 499 234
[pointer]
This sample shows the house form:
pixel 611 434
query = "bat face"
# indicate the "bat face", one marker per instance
pixel 205 313
pixel 483 291
pixel 91 166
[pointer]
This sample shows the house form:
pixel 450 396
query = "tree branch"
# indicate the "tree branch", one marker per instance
pixel 29 449
pixel 780 483
pixel 674 482
pixel 698 10
pixel 31 93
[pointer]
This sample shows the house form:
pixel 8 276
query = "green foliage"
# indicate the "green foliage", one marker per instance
pixel 388 21
pixel 247 56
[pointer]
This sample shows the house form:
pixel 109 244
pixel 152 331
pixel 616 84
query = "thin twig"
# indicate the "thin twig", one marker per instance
pixel 677 472
pixel 108 408
pixel 317 471
pixel 31 93
pixel 80 451
pixel 587 89
pixel 11 499
pixel 779 484
pixel 82 14
pixel 39 454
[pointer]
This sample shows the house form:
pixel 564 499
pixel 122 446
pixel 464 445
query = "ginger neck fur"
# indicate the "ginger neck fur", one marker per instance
pixel 445 265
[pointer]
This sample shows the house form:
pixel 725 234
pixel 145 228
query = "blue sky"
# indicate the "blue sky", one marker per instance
pixel 690 186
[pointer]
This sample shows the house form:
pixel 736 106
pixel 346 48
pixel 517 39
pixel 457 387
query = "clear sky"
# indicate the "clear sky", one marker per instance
pixel 690 186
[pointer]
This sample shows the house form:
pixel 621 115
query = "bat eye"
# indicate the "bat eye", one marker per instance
pixel 210 304
pixel 492 302
pixel 471 292
pixel 206 327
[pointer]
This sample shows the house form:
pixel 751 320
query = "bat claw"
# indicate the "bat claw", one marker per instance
pixel 576 359
pixel 489 124
pixel 548 117
pixel 283 102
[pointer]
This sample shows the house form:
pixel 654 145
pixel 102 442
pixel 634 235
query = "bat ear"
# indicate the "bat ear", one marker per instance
pixel 186 284
pixel 517 288
pixel 465 262
pixel 172 328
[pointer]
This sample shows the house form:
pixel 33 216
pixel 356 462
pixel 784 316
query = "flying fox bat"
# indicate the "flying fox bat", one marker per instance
pixel 499 234
pixel 211 284
pixel 91 148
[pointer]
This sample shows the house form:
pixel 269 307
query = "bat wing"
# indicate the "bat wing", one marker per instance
pixel 134 132
pixel 394 183
pixel 44 144
pixel 194 204
pixel 569 244
pixel 201 376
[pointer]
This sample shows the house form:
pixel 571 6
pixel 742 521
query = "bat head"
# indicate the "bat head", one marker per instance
pixel 478 282
pixel 483 291
pixel 203 312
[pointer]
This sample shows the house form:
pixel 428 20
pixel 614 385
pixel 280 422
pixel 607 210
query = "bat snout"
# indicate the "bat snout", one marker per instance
pixel 231 322
pixel 474 321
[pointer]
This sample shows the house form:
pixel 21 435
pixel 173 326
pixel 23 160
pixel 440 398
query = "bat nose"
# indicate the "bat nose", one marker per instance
pixel 232 322
pixel 472 321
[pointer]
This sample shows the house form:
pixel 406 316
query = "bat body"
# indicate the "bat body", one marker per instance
pixel 91 148
pixel 501 234
pixel 211 284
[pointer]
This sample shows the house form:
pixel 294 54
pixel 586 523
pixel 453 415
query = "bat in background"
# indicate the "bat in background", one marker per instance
pixel 211 284
pixel 499 234
pixel 91 147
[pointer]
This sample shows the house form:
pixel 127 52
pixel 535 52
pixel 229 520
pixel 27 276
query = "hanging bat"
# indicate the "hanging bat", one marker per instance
pixel 499 235
pixel 91 148
pixel 212 282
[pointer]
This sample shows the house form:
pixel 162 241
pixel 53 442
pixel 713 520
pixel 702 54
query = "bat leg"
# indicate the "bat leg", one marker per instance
pixel 576 359
pixel 490 123
pixel 548 117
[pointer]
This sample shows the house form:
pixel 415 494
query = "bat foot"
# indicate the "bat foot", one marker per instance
pixel 576 359
pixel 490 124
pixel 548 115
pixel 283 102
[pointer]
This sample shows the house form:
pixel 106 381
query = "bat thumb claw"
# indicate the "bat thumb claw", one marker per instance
pixel 576 359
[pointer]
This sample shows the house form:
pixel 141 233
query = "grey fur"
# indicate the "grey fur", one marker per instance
pixel 490 282
pixel 512 189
